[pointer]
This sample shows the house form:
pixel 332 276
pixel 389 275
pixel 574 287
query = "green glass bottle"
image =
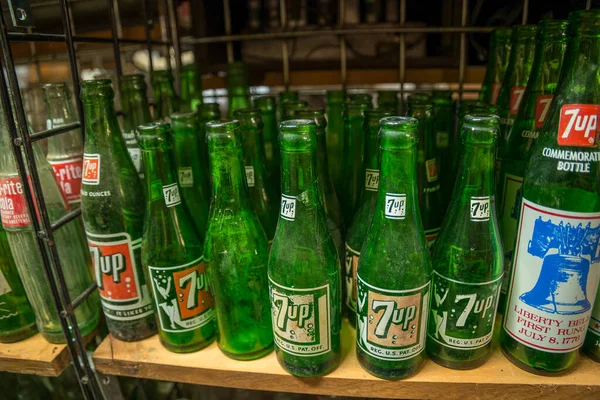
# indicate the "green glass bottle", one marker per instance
pixel 444 146
pixel 238 91
pixel 263 195
pixel 431 202
pixel 355 237
pixel 268 108
pixel 291 108
pixel 65 151
pixel 515 81
pixel 364 98
pixel 191 87
pixel 191 176
pixel 335 137
pixel 331 205
pixel 388 99
pixel 352 162
pixel 112 206
pixel 591 345
pixel 236 251
pixel 420 98
pixel 17 320
pixel 304 270
pixel 467 258
pixel 496 65
pixel 165 100
pixel 172 252
pixel 207 112
pixel 550 47
pixel 135 112
pixel 284 97
pixel 556 269
pixel 394 270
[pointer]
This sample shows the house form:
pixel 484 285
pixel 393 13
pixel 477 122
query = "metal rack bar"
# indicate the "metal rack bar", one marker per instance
pixel 285 52
pixel 227 16
pixel 149 42
pixel 343 53
pixel 54 131
pixel 402 53
pixel 112 7
pixel 525 12
pixel 58 38
pixel 463 49
pixel 59 223
pixel 335 32
pixel 171 23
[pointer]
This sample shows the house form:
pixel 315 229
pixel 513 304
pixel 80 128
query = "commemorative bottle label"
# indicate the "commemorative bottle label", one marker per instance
pixel 182 296
pixel 578 125
pixel 12 203
pixel 509 216
pixel 516 95
pixel 463 313
pixel 555 278
pixel 69 174
pixel 351 264
pixel 116 259
pixel 542 106
pixel 301 319
pixel 391 324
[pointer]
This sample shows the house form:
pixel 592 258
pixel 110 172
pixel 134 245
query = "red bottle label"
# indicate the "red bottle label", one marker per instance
pixel 91 169
pixel 12 203
pixel 578 125
pixel 69 173
pixel 431 166
pixel 516 94
pixel 495 91
pixel 542 106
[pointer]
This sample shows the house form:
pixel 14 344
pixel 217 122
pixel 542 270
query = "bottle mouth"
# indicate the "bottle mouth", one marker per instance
pixel 317 115
pixel 480 129
pixel 184 118
pixel 552 29
pixel 56 90
pixel 247 113
pixel 523 32
pixel 265 102
pixel 289 95
pixel 585 22
pixel 501 35
pixel 419 98
pixel 162 76
pixel 223 133
pixel 154 135
pixel 209 110
pixel 336 96
pixel 297 135
pixel 95 89
pixel 374 115
pixel 398 133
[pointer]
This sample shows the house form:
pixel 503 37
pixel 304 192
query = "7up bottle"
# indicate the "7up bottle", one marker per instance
pixel 394 270
pixel 556 266
pixel 467 258
pixel 496 66
pixel 304 270
pixel 547 62
pixel 112 205
pixel 172 251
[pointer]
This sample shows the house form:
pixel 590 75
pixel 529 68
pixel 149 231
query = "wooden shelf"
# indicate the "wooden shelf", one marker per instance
pixel 34 356
pixel 497 379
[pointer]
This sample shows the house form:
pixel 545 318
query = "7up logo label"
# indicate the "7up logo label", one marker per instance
pixel 391 323
pixel 182 296
pixel 578 125
pixel 301 319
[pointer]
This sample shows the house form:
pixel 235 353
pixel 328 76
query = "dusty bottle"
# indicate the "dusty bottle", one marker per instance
pixel 284 97
pixel 331 205
pixel 236 251
pixel 165 100
pixel 69 239
pixel 17 320
pixel 547 62
pixel 496 65
pixel 304 270
pixel 555 270
pixel 268 108
pixel 65 151
pixel 263 195
pixel 135 113
pixel 352 161
pixel 394 270
pixel 515 80
pixel 444 145
pixel 112 206
pixel 431 202
pixel 467 258
pixel 335 137
pixel 291 108
pixel 191 87
pixel 355 237
pixel 172 252
pixel 191 176
pixel 237 87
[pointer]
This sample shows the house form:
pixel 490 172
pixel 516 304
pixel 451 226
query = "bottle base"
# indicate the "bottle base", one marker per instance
pixel 85 330
pixel 20 335
pixel 592 356
pixel 390 374
pixel 248 356
pixel 134 333
pixel 460 365
pixel 532 370
pixel 191 348
pixel 322 369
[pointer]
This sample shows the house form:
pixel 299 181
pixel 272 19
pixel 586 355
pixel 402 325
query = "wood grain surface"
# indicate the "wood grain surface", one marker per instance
pixel 34 356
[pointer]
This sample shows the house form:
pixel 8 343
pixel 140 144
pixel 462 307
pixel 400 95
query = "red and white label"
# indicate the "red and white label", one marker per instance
pixel 431 166
pixel 495 91
pixel 91 169
pixel 114 266
pixel 516 95
pixel 542 106
pixel 12 203
pixel 578 125
pixel 69 174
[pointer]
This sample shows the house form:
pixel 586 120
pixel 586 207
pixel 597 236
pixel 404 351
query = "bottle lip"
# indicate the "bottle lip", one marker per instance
pixel 523 32
pixel 363 98
pixel 552 29
pixel 480 128
pixel 266 102
pixel 132 77
pixel 183 117
pixel 586 22
pixel 501 35
pixel 153 135
pixel 209 108
pixel 97 88
pixel 297 135
pixel 317 115
pixel 352 105
pixel 419 98
pixel 222 126
pixel 247 113
pixel 397 133
pixel 56 90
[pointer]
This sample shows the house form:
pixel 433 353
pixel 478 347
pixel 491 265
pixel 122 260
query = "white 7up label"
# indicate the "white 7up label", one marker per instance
pixel 463 313
pixel 301 319
pixel 391 323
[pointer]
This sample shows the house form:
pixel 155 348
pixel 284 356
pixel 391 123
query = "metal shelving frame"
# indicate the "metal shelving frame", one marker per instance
pixel 23 142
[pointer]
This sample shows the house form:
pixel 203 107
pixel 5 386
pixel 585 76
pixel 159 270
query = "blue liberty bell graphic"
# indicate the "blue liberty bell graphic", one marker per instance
pixel 561 285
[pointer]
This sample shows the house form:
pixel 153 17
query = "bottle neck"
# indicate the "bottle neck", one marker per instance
pixel 475 177
pixel 135 111
pixel 253 148
pixel 60 111
pixel 579 70
pixel 228 177
pixel 68 144
pixel 321 159
pixel 299 177
pixel 370 184
pixel 159 174
pixel 102 127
